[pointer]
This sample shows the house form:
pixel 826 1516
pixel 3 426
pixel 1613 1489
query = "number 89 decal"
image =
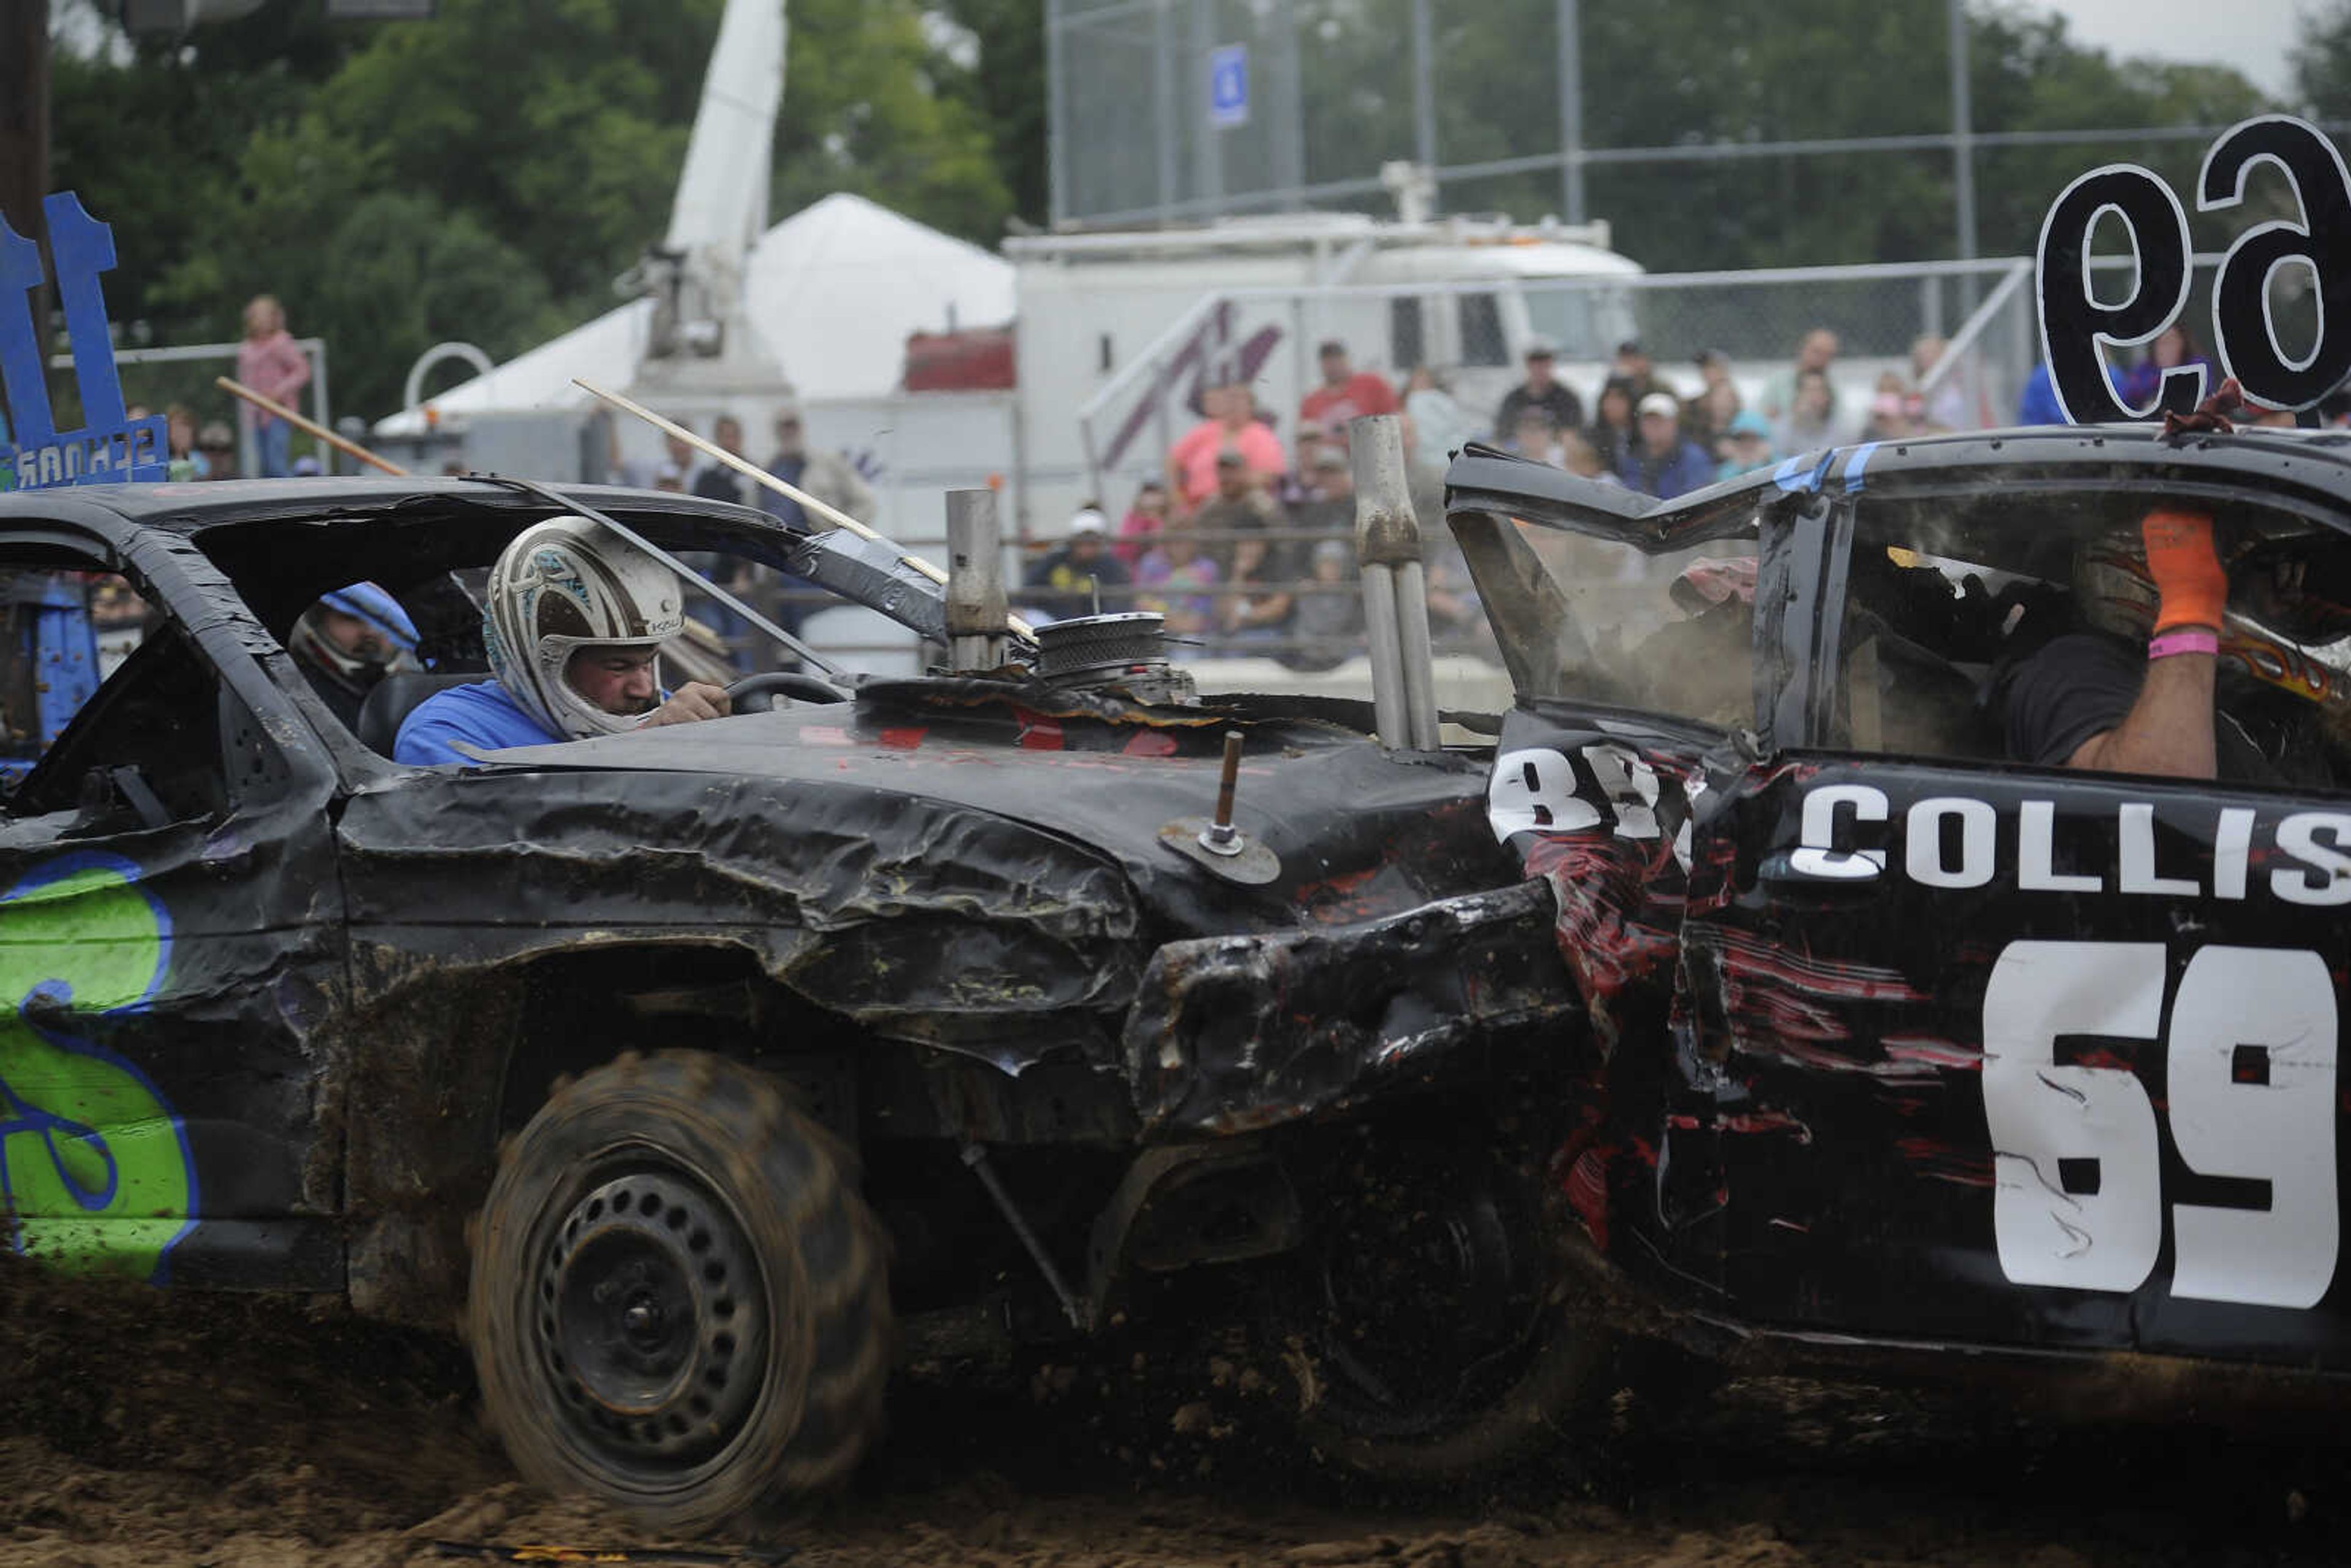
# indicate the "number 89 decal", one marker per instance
pixel 2250 1060
pixel 2075 326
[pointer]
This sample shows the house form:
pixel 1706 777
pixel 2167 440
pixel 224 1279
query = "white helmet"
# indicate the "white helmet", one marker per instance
pixel 562 585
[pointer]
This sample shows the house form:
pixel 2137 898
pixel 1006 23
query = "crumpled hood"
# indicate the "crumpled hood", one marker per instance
pixel 1359 831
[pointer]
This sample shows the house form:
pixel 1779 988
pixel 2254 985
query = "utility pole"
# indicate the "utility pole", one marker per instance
pixel 1963 136
pixel 1570 110
pixel 24 113
pixel 24 124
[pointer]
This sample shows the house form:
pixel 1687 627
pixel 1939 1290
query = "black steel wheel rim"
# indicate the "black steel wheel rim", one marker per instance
pixel 649 1322
pixel 1429 1316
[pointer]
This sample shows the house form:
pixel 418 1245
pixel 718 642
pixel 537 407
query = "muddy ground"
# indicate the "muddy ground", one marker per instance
pixel 144 1427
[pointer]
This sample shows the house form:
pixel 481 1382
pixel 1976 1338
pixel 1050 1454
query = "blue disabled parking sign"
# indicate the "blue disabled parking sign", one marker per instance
pixel 1228 85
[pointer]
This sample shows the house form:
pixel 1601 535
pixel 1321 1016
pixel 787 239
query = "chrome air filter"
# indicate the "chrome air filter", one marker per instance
pixel 1126 653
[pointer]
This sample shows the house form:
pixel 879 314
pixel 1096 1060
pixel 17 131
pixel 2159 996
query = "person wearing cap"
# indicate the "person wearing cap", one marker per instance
pixel 1327 623
pixel 1334 474
pixel 348 642
pixel 1345 393
pixel 1296 487
pixel 216 447
pixel 1747 445
pixel 1064 581
pixel 1540 389
pixel 1239 505
pixel 1332 509
pixel 1661 460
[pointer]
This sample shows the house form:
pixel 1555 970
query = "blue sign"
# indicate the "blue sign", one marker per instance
pixel 110 447
pixel 1228 85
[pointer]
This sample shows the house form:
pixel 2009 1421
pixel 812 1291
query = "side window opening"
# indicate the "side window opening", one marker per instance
pixel 1671 634
pixel 1981 627
pixel 142 748
pixel 1482 339
pixel 1407 338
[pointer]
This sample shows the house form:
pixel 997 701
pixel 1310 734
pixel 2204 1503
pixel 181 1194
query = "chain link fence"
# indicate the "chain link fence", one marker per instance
pixel 183 377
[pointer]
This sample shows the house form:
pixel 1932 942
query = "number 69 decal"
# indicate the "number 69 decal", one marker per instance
pixel 2075 326
pixel 2250 1059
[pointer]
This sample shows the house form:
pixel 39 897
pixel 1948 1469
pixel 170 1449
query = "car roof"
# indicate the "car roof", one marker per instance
pixel 2310 470
pixel 191 508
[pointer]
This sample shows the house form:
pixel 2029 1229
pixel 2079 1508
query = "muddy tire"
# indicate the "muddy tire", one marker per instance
pixel 679 1302
pixel 1444 1338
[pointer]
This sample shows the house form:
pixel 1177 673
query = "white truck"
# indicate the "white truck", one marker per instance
pixel 1119 332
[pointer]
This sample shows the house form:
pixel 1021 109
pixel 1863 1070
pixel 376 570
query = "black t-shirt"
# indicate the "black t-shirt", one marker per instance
pixel 1557 400
pixel 2072 688
pixel 2083 684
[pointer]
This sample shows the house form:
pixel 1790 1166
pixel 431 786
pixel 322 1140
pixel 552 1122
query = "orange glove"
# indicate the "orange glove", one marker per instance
pixel 2188 581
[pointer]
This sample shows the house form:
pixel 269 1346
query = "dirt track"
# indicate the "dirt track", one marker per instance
pixel 144 1427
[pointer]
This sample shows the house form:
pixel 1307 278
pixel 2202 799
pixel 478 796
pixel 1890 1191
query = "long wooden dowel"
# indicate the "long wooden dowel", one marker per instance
pixel 760 476
pixel 308 427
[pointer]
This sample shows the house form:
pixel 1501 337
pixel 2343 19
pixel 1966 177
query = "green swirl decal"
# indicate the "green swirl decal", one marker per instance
pixel 93 1166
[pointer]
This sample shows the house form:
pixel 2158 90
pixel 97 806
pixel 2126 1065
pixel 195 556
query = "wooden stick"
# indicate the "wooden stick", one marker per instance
pixel 758 475
pixel 308 427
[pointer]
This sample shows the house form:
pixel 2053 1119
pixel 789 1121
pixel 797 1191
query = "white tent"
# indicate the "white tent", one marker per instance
pixel 835 289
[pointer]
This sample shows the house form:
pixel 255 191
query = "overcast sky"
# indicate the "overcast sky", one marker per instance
pixel 2251 34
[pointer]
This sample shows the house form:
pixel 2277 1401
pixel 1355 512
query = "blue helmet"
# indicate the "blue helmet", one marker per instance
pixel 378 609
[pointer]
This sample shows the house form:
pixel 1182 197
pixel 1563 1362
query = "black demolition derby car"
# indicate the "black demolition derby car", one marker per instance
pixel 1739 985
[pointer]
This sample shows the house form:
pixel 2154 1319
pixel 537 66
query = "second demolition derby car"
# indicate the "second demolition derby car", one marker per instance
pixel 1767 978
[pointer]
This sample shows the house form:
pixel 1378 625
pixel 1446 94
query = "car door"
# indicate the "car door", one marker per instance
pixel 2008 1053
pixel 171 943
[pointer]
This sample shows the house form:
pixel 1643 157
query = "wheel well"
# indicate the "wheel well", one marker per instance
pixel 581 1009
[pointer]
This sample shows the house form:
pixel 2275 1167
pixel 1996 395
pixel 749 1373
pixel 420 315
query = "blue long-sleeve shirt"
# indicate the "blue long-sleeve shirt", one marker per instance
pixel 1686 469
pixel 482 715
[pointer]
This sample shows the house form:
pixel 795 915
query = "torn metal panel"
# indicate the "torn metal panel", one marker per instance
pixel 1237 1032
pixel 873 572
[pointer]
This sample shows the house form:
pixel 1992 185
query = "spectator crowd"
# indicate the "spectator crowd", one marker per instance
pixel 1246 544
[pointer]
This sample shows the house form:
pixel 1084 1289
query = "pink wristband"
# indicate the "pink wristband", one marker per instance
pixel 2193 641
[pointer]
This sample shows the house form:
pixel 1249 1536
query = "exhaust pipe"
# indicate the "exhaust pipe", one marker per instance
pixel 1395 585
pixel 976 616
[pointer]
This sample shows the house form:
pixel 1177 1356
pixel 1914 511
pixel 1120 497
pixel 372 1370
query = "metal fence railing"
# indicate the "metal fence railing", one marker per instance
pixel 1952 342
pixel 1473 336
pixel 181 373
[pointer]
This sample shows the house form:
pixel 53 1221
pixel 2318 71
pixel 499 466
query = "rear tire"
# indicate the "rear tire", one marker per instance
pixel 679 1300
pixel 1444 1336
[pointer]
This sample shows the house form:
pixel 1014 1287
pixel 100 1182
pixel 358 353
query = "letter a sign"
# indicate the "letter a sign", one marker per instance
pixel 110 447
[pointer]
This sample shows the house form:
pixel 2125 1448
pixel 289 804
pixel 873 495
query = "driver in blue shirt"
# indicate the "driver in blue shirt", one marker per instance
pixel 573 623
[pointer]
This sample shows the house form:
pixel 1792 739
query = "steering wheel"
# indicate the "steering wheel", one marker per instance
pixel 757 694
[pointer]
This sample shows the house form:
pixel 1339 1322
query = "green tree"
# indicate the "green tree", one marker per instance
pixel 868 107
pixel 2322 61
pixel 483 176
pixel 1004 83
pixel 152 141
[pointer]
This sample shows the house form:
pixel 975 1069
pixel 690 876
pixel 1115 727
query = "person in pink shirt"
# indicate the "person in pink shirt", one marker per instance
pixel 268 362
pixel 1346 392
pixel 1232 421
pixel 1144 521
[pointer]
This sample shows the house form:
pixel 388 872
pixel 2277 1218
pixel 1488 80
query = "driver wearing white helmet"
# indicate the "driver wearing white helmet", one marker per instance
pixel 573 623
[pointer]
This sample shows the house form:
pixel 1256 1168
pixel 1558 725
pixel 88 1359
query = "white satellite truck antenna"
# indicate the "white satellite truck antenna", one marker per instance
pixel 701 341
